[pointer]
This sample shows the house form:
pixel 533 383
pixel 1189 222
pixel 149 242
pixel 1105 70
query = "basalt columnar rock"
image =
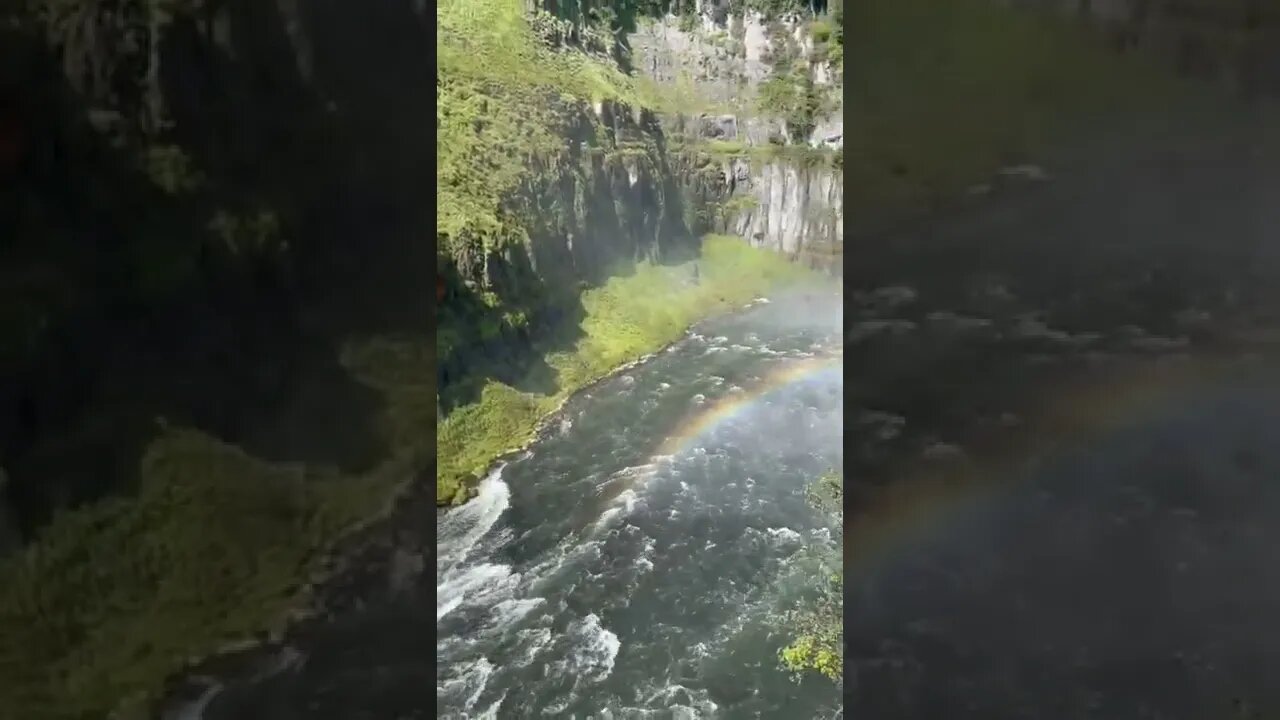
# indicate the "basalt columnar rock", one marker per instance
pixel 778 185
pixel 637 184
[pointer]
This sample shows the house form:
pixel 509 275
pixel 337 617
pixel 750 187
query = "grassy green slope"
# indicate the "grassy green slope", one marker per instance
pixel 626 318
pixel 501 93
pixel 215 546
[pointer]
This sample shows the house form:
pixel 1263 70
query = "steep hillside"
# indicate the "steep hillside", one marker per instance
pixel 214 334
pixel 213 340
pixel 545 213
pixel 769 130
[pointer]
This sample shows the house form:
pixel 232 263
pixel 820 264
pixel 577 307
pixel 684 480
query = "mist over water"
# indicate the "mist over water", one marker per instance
pixel 1084 377
pixel 613 572
pixel 1129 576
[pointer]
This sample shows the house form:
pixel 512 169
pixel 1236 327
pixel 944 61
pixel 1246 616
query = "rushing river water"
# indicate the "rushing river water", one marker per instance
pixel 633 562
pixel 1061 462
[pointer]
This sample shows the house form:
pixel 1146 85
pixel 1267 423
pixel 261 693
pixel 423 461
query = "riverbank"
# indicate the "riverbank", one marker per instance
pixel 218 551
pixel 625 319
pixel 638 550
pixel 375 568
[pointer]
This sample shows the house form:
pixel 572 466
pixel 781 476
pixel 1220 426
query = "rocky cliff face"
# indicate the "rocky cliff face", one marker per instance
pixel 790 208
pixel 632 185
pixel 612 198
pixel 787 202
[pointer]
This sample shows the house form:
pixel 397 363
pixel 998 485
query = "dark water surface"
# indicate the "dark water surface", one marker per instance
pixel 1064 451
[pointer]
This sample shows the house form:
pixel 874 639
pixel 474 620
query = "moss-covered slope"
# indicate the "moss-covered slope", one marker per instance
pixel 565 212
pixel 214 348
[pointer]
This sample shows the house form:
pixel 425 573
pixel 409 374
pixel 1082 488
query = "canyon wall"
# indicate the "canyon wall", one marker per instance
pixel 634 185
pixel 782 185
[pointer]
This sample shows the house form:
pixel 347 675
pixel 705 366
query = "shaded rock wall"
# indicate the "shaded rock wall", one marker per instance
pixel 615 196
pixel 202 202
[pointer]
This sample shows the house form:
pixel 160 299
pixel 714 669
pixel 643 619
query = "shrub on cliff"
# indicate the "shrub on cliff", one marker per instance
pixel 818 625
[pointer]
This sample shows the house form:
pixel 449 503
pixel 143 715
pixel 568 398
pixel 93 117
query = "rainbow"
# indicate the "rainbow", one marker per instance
pixel 924 501
pixel 726 408
pixel 687 433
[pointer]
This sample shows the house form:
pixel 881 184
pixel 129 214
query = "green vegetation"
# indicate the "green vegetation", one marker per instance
pixel 819 624
pixel 213 548
pixel 689 19
pixel 790 92
pixel 505 98
pixel 803 156
pixel 798 155
pixel 770 8
pixel 502 96
pixel 117 594
pixel 944 93
pixel 827 32
pixel 171 169
pixel 510 89
pixel 626 318
pixel 724 149
pixel 151 272
pixel 731 208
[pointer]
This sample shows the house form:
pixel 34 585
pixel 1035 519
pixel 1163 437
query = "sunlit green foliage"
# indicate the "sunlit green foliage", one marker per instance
pixel 214 547
pixel 500 92
pixel 505 92
pixel 505 96
pixel 790 92
pixel 736 205
pixel 114 596
pixel 818 625
pixel 626 318
pixel 473 436
pixel 827 32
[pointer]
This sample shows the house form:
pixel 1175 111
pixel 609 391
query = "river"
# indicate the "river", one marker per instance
pixel 1062 411
pixel 632 563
